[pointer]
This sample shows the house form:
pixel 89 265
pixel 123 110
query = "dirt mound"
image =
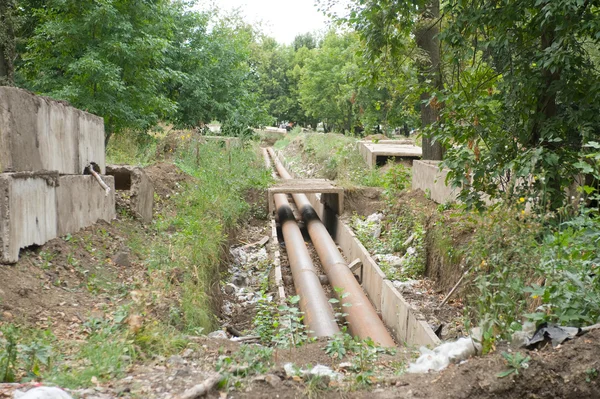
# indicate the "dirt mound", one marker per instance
pixel 61 284
pixel 363 201
pixel 166 178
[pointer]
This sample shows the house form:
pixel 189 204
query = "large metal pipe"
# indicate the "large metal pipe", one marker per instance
pixel 318 314
pixel 362 318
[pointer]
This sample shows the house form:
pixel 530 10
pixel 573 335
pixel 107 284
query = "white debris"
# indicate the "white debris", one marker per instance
pixel 375 218
pixel 520 339
pixel 323 371
pixel 404 285
pixel 220 334
pixel 439 358
pixel 319 370
pixel 43 393
pixel 390 259
pixel 371 226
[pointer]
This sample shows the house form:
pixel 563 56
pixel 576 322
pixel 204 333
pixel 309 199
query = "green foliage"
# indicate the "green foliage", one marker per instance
pixel 25 354
pixel 501 256
pixel 515 362
pixel 570 259
pixel 520 271
pixel 280 325
pixel 266 320
pixel 206 210
pixel 246 362
pixel 104 57
pixel 365 354
pixel 291 332
pixel 523 102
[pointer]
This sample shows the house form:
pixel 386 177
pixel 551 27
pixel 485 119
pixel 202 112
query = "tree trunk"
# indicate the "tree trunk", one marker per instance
pixel 7 42
pixel 429 66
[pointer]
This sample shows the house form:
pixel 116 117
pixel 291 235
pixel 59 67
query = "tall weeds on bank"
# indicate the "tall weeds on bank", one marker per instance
pixel 206 211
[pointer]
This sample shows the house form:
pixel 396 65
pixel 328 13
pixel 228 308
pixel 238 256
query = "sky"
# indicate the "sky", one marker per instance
pixel 281 19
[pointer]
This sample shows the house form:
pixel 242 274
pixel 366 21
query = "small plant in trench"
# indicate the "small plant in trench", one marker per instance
pixel 291 331
pixel 515 362
pixel 266 319
pixel 280 325
pixel 249 360
pixel 365 354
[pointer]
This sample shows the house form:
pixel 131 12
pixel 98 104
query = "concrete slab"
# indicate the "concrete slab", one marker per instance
pixel 81 202
pixel 27 212
pixel 374 152
pixel 308 186
pixel 37 133
pixel 140 189
pixel 426 176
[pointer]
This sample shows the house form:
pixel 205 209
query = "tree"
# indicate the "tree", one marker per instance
pixel 7 41
pixel 104 57
pixel 307 40
pixel 384 25
pixel 328 86
pixel 525 95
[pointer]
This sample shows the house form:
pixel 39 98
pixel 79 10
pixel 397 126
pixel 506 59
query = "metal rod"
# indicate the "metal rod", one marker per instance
pixel 362 318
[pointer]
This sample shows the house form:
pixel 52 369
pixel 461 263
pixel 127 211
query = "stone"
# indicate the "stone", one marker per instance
pixel 121 258
pixel 273 380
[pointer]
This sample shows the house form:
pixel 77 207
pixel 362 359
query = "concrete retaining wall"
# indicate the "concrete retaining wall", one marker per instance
pixel 426 176
pixel 81 202
pixel 38 207
pixel 27 212
pixel 38 133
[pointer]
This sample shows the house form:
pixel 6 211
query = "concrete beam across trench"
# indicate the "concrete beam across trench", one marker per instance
pixel 405 323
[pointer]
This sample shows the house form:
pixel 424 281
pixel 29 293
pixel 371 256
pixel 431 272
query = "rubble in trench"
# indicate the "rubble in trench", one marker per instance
pixel 445 320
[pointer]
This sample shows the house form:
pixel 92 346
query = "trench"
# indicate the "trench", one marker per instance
pixel 403 322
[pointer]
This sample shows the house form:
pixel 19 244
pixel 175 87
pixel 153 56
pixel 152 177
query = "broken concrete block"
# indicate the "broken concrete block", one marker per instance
pixel 141 191
pixel 81 202
pixel 27 211
pixel 428 178
pixel 37 133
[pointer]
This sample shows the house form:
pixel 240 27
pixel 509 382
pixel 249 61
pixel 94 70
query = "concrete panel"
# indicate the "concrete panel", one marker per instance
pixel 37 133
pixel 427 177
pixel 141 190
pixel 27 212
pixel 81 202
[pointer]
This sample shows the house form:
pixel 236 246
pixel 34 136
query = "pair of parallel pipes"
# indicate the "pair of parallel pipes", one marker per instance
pixel 362 318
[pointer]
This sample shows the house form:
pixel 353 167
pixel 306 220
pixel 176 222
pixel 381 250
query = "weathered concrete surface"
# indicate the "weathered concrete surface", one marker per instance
pixel 426 176
pixel 37 133
pixel 81 202
pixel 36 207
pixel 27 212
pixel 141 190
pixel 306 186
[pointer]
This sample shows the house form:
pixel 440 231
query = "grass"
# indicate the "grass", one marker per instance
pixel 335 157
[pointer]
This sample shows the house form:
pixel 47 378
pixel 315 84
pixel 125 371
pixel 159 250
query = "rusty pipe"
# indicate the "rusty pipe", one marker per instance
pixel 362 318
pixel 318 314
